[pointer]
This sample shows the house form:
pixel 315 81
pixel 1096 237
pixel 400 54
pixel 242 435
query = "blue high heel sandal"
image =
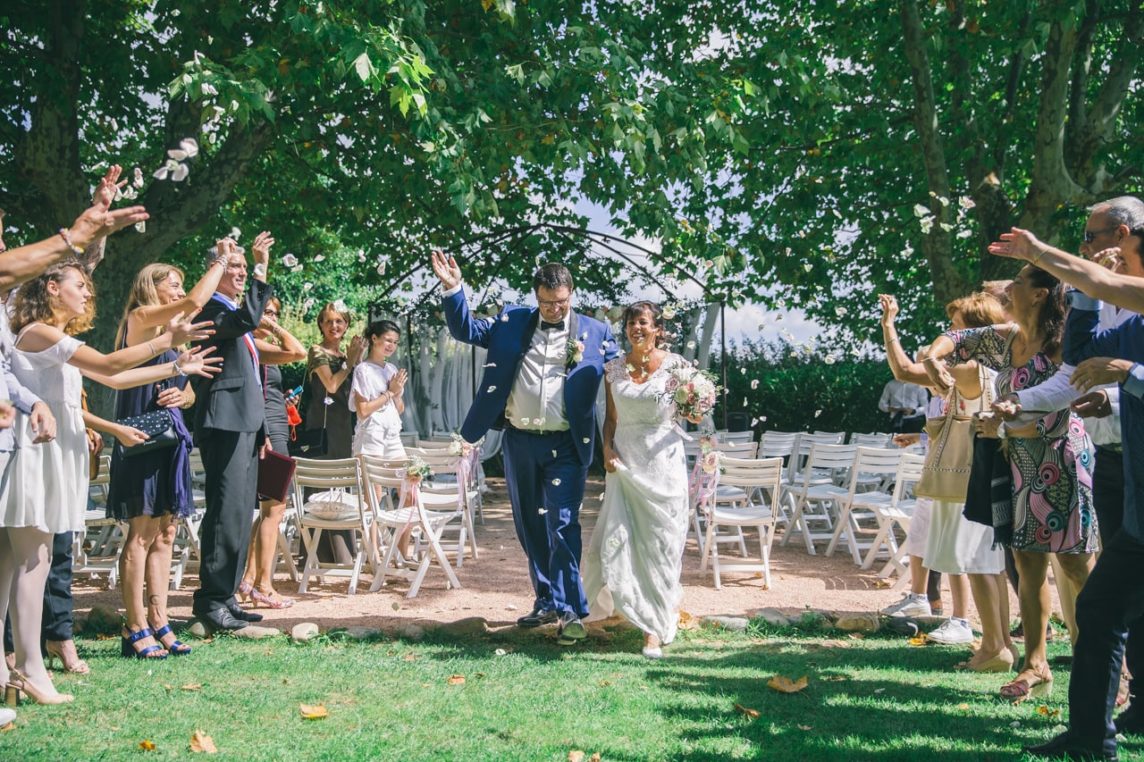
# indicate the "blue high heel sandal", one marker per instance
pixel 177 647
pixel 127 646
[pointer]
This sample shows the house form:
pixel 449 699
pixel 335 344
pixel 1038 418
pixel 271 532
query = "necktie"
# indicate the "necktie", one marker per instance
pixel 546 326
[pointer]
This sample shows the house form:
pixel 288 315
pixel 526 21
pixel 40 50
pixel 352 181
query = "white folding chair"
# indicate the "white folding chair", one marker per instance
pixel 897 513
pixel 96 550
pixel 381 478
pixel 738 437
pixel 761 481
pixel 337 504
pixel 450 487
pixel 737 449
pixel 872 440
pixel 857 506
pixel 818 493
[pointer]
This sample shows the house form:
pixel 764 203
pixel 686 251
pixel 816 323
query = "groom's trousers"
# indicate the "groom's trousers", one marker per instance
pixel 546 487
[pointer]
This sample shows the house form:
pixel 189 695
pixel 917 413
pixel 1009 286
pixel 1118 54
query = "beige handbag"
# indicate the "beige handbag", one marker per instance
pixel 945 475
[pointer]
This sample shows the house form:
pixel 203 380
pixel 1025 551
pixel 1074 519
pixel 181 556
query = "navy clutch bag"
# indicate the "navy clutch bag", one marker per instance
pixel 158 427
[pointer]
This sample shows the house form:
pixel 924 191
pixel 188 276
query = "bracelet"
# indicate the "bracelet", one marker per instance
pixel 1037 258
pixel 894 340
pixel 66 235
pixel 151 348
pixel 179 371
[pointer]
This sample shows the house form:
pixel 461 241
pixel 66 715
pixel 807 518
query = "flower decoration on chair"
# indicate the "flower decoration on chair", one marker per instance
pixel 417 469
pixel 574 353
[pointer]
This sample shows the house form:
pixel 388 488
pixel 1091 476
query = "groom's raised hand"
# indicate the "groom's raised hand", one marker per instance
pixel 446 270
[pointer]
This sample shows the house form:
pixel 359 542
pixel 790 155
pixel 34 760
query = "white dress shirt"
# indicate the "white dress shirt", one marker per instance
pixel 1057 392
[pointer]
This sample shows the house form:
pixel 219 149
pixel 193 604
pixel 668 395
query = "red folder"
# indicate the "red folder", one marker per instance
pixel 274 474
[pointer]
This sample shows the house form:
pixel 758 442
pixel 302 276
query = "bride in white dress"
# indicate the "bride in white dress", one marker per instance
pixel 636 553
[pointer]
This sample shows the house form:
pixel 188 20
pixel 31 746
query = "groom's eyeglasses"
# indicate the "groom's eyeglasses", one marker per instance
pixel 555 303
pixel 1090 235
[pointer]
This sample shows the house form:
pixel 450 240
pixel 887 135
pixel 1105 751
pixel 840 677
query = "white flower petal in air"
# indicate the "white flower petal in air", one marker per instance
pixel 235 233
pixel 307 286
pixel 921 210
pixel 209 89
pixel 190 147
pixel 808 267
pixel 340 306
pixel 180 173
pixel 504 318
pixel 490 390
pixel 319 257
pixel 290 260
pixel 691 345
pixel 524 421
pixel 137 180
pixel 555 482
pixel 554 453
pixel 755 384
pixel 586 440
pixel 817 413
pixel 489 365
pixel 829 359
pixel 141 227
pixel 381 268
pixel 926 224
pixel 963 234
pixel 177 154
pixel 161 173
pixel 542 511
pixel 840 311
pixel 966 203
pixel 327 400
pixel 668 312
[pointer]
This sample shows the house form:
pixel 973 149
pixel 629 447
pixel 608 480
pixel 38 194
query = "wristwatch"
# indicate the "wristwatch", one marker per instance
pixel 260 270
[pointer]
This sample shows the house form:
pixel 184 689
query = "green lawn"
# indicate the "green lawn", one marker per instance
pixel 876 698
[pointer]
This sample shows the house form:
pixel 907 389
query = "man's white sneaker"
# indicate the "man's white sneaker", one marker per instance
pixel 909 606
pixel 953 632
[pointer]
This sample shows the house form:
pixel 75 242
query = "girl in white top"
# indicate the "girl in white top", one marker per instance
pixel 44 486
pixel 375 395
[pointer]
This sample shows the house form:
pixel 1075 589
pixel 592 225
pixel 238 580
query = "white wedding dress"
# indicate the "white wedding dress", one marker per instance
pixel 636 553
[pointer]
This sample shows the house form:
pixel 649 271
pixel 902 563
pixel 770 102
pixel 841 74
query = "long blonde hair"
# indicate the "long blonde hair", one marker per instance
pixel 33 303
pixel 145 293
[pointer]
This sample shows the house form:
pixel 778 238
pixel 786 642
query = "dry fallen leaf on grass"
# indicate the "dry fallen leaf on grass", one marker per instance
pixel 456 680
pixel 1044 711
pixel 201 742
pixel 784 684
pixel 8 728
pixel 191 687
pixel 687 621
pixel 920 640
pixel 316 712
pixel 881 584
pixel 748 711
pixel 146 746
pixel 856 636
pixel 963 707
pixel 575 756
pixel 410 656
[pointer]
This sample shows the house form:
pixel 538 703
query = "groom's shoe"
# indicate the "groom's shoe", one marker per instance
pixel 219 619
pixel 571 629
pixel 537 617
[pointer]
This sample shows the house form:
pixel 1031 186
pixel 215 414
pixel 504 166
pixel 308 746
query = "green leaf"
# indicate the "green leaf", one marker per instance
pixel 364 67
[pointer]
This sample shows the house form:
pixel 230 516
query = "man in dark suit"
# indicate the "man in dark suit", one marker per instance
pixel 540 386
pixel 230 432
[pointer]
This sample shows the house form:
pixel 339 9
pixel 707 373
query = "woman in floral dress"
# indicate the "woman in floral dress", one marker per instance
pixel 1050 461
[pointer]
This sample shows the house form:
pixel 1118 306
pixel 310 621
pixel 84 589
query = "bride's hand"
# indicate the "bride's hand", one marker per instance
pixel 611 460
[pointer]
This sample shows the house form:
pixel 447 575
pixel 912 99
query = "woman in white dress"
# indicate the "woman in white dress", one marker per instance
pixel 44 487
pixel 375 395
pixel 636 553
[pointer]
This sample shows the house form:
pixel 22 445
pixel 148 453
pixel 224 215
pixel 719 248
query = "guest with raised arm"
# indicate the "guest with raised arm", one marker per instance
pixel 1050 462
pixel 45 487
pixel 1109 610
pixel 953 544
pixel 276 346
pixel 152 491
pixel 230 431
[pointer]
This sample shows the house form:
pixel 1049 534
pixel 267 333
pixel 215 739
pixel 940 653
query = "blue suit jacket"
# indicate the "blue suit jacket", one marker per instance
pixel 507 337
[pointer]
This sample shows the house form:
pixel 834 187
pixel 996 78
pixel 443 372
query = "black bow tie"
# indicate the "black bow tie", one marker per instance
pixel 546 326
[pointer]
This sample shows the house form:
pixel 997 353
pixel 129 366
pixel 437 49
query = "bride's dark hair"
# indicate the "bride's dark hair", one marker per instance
pixel 633 311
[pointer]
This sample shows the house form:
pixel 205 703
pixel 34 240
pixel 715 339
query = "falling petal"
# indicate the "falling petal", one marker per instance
pixel 542 511
pixel 490 390
pixel 307 286
pixel 554 453
pixel 177 154
pixel 209 89
pixel 381 269
pixel 190 147
pixel 340 306
pixel 138 178
pixel 555 482
pixel 524 421
pixel 504 318
pixel 808 267
pixel 840 311
pixel 180 173
pixel 586 440
pixel 817 413
pixel 963 234
pixel 319 257
pixel 489 365
pixel 141 227
pixel 290 260
pixel 755 384
pixel 160 173
pixel 921 210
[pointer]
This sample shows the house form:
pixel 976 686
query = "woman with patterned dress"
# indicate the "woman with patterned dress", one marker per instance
pixel 1050 461
pixel 635 557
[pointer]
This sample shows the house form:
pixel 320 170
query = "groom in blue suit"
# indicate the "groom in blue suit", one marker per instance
pixel 539 386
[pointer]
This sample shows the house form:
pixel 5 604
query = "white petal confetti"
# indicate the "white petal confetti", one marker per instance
pixel 808 267
pixel 555 482
pixel 489 365
pixel 586 440
pixel 190 147
pixel 381 269
pixel 755 383
pixel 141 227
pixel 524 421
pixel 817 413
pixel 180 173
pixel 319 258
pixel 137 180
pixel 542 511
pixel 554 453
pixel 290 260
pixel 504 318
pixel 177 154
pixel 490 390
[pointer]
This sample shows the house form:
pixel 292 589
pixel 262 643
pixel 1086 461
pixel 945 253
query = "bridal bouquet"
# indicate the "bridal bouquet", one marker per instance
pixel 693 392
pixel 460 447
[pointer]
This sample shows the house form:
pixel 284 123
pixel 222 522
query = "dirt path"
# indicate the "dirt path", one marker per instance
pixel 496 586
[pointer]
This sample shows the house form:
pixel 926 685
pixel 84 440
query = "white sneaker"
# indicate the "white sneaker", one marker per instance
pixel 7 716
pixel 909 606
pixel 953 632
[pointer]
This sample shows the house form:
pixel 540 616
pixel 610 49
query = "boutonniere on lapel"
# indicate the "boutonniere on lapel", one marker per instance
pixel 575 352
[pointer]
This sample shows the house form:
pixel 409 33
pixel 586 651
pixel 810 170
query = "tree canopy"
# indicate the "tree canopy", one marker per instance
pixel 779 152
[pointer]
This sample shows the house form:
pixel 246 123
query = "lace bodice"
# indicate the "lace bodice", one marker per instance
pixel 642 404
